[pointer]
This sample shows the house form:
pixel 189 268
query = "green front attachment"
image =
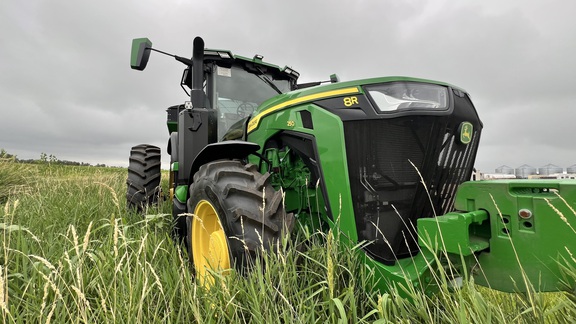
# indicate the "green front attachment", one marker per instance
pixel 521 233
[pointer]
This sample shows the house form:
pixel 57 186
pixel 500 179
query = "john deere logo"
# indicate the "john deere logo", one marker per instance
pixel 466 129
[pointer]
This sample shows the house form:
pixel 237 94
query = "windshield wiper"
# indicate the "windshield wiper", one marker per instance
pixel 265 78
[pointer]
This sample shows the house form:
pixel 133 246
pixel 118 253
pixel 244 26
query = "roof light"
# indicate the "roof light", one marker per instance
pixel 290 71
pixel 258 57
pixel 224 55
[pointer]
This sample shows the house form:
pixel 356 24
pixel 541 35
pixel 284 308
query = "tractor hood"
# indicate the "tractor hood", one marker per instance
pixel 328 91
pixel 399 146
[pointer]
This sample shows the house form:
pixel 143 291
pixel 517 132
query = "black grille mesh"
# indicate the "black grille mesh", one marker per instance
pixel 387 161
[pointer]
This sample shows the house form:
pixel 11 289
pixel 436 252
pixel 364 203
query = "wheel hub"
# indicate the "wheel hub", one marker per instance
pixel 209 243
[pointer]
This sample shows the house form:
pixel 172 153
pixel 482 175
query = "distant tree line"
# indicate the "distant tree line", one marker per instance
pixel 44 159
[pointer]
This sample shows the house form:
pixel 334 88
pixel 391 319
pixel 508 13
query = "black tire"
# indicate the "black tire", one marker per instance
pixel 143 183
pixel 237 193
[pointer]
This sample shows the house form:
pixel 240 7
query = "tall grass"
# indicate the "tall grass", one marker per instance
pixel 71 253
pixel 14 178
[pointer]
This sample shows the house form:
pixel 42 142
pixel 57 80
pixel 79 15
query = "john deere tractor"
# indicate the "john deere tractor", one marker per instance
pixel 384 161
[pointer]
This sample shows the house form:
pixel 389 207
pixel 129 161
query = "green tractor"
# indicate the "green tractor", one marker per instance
pixel 383 161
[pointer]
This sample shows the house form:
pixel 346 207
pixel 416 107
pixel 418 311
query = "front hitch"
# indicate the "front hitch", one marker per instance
pixel 517 235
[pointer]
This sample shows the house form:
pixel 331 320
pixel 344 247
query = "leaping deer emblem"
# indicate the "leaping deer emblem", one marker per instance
pixel 466 133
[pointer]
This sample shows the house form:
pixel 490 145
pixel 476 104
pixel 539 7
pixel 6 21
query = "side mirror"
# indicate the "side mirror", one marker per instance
pixel 140 53
pixel 334 78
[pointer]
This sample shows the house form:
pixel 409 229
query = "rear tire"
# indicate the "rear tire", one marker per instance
pixel 143 183
pixel 237 213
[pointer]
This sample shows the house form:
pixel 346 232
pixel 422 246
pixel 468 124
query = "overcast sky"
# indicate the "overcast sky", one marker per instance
pixel 66 87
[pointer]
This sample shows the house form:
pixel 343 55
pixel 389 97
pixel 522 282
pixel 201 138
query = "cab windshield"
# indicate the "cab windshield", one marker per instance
pixel 240 92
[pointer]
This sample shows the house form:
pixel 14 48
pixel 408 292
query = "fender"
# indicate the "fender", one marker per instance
pixel 222 150
pixel 173 147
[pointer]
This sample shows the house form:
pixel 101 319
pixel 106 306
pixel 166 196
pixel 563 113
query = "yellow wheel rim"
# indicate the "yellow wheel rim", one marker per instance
pixel 209 243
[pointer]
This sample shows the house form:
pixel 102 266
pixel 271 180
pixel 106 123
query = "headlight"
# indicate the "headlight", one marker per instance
pixel 408 95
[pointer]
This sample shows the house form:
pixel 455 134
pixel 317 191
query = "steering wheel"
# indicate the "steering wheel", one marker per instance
pixel 245 109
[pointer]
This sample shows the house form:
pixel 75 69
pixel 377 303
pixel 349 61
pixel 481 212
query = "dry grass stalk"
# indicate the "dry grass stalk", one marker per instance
pixel 524 277
pixel 559 213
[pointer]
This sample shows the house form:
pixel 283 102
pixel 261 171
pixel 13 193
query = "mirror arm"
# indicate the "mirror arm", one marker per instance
pixel 181 59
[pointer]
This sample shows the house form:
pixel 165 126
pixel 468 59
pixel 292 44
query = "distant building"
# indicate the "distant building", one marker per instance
pixel 504 169
pixel 550 169
pixel 524 171
pixel 553 176
pixel 494 176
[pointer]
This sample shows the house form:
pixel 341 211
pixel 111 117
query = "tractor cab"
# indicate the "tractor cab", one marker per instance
pixel 235 86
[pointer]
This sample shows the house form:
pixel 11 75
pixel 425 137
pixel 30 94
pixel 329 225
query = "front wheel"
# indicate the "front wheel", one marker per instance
pixel 236 214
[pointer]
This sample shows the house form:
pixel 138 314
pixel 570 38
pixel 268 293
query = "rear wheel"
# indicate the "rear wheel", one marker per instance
pixel 237 213
pixel 143 183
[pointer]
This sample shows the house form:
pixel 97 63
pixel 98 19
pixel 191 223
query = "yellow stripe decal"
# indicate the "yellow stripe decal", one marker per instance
pixel 253 124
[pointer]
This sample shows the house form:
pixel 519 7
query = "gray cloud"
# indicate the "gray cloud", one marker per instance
pixel 66 87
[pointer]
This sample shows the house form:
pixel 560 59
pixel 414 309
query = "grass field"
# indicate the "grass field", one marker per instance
pixel 71 253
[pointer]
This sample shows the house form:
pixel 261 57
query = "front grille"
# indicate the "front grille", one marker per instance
pixel 388 162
